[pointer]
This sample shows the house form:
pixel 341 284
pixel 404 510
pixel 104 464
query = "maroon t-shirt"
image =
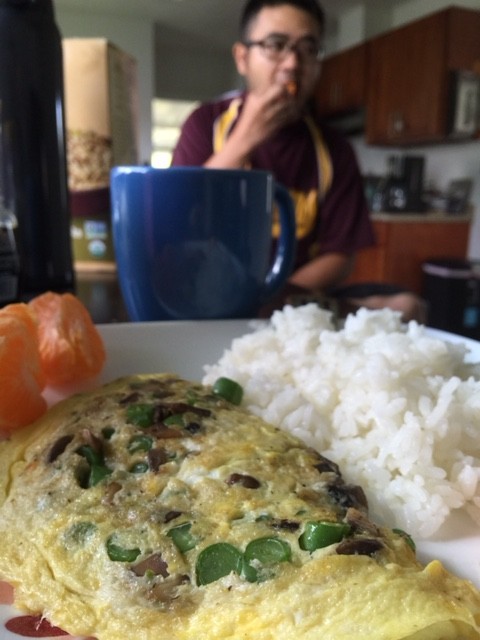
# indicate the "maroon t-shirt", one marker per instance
pixel 340 218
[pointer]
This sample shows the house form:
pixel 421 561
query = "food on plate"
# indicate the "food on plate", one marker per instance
pixel 21 376
pixel 71 349
pixel 158 508
pixel 292 87
pixel 49 341
pixel 396 406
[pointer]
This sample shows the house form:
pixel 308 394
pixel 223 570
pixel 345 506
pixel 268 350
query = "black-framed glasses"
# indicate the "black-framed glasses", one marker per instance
pixel 277 48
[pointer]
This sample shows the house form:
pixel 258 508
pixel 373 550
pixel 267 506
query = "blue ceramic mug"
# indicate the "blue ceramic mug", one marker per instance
pixel 196 243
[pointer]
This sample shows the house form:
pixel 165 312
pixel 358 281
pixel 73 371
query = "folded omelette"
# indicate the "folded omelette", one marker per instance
pixel 154 508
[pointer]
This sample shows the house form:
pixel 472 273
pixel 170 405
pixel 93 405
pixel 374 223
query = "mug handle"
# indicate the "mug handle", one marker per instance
pixel 286 246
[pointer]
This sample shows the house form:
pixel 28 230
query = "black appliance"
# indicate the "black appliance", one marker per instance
pixel 403 189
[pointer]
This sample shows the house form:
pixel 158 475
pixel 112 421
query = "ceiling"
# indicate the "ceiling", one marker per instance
pixel 214 21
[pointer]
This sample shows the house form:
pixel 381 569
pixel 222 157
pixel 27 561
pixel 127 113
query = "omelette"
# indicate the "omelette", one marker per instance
pixel 158 508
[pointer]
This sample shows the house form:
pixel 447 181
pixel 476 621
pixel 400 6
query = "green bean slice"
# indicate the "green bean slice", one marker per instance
pixel 120 554
pixel 268 551
pixel 177 420
pixel 264 552
pixel 98 469
pixel 141 415
pixel 217 561
pixel 140 443
pixel 407 537
pixel 228 390
pixel 182 538
pixel 317 535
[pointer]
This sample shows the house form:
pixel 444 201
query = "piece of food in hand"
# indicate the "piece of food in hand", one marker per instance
pixel 21 377
pixel 160 507
pixel 292 87
pixel 71 349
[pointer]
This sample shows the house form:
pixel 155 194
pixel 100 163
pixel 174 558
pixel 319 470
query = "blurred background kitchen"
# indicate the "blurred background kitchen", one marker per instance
pixel 401 77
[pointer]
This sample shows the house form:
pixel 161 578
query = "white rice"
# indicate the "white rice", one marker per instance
pixel 396 406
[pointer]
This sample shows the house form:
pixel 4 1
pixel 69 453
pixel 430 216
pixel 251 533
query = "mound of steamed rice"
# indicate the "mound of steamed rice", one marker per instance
pixel 395 406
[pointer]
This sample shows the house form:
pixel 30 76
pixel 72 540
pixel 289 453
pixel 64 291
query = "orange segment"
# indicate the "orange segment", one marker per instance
pixel 71 349
pixel 21 376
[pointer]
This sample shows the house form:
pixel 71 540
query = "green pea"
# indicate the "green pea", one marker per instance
pixel 120 554
pixel 182 538
pixel 317 535
pixel 140 443
pixel 228 390
pixel 217 561
pixel 141 415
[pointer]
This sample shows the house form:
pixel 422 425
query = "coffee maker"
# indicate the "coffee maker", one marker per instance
pixel 404 185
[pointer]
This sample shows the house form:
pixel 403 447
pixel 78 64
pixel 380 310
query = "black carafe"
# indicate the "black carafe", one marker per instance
pixel 33 170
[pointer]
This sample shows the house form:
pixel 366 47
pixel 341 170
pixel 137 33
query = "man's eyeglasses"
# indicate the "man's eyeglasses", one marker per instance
pixel 277 48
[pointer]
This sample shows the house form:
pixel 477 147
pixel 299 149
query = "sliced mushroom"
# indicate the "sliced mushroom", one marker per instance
pixel 325 466
pixel 112 488
pixel 359 547
pixel 154 564
pixel 92 440
pixel 249 482
pixel 360 523
pixel 58 448
pixel 167 591
pixel 348 495
pixel 130 398
pixel 156 458
pixel 172 515
pixel 285 525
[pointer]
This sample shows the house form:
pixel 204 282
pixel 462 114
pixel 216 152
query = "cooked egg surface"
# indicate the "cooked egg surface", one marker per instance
pixel 155 507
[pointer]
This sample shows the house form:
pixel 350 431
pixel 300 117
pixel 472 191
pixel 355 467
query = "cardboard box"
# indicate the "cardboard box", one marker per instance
pixel 101 120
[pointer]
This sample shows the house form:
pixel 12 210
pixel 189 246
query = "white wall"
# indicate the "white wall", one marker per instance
pixel 133 35
pixel 188 70
pixel 413 9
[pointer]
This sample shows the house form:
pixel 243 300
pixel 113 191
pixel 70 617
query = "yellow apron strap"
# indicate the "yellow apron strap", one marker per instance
pixel 224 123
pixel 325 169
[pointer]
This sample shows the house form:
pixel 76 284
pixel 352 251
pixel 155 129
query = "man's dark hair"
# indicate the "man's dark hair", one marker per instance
pixel 253 8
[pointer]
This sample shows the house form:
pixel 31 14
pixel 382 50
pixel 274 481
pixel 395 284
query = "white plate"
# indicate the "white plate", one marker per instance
pixel 184 348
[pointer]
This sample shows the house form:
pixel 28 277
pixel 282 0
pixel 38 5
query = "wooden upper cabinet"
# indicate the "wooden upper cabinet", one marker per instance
pixel 342 84
pixel 409 76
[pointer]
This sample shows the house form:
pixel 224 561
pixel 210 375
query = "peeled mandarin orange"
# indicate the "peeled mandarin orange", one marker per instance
pixel 71 349
pixel 21 376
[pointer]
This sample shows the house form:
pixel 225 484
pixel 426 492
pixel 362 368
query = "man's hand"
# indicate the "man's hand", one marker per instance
pixel 265 113
pixel 262 115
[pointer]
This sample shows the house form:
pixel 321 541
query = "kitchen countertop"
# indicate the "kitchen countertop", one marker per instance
pixel 427 216
pixel 101 295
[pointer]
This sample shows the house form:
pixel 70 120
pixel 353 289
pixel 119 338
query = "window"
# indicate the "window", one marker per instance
pixel 167 118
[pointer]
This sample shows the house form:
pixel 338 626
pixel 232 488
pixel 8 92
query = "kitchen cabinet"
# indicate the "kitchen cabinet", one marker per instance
pixel 342 85
pixel 405 242
pixel 409 75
